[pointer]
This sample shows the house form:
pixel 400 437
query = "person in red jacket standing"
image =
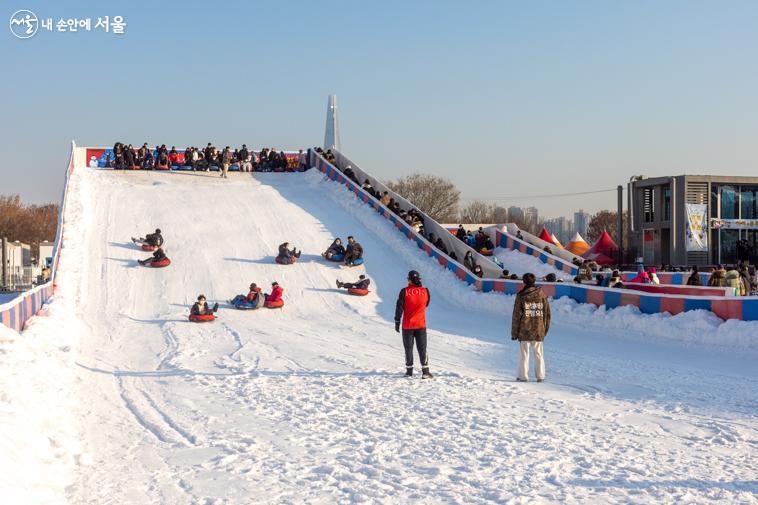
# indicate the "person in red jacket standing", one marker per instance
pixel 411 307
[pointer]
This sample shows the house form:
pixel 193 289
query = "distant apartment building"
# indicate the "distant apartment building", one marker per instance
pixel 560 227
pixel 581 222
pixel 531 217
pixel 515 214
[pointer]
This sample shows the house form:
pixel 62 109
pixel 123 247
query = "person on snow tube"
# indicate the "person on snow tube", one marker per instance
pixel 253 300
pixel 158 257
pixel 360 287
pixel 335 252
pixel 151 239
pixel 287 256
pixel 274 299
pixel 353 252
pixel 200 310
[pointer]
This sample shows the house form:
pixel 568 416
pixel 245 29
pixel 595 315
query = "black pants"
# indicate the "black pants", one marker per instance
pixel 419 336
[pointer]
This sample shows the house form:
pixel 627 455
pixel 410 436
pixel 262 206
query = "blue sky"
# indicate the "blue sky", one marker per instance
pixel 504 98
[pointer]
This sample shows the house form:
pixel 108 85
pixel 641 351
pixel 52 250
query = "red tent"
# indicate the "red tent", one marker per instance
pixel 603 251
pixel 545 235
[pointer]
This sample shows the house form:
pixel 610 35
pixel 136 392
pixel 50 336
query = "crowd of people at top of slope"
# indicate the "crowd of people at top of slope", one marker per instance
pixel 195 158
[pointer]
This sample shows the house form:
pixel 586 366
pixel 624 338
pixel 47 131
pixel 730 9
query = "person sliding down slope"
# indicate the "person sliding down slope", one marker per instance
pixel 336 249
pixel 158 255
pixel 353 252
pixel 200 307
pixel 411 306
pixel 254 297
pixel 276 293
pixel 362 283
pixel 287 256
pixel 152 239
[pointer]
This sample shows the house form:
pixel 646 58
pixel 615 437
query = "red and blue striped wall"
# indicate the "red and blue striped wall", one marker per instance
pixel 744 308
pixel 15 313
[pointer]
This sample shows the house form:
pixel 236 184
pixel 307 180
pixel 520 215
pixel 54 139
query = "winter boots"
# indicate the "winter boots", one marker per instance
pixel 426 374
pixel 339 284
pixel 409 371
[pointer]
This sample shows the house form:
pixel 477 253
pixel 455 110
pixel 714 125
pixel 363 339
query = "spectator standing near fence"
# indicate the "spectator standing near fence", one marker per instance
pixel 529 325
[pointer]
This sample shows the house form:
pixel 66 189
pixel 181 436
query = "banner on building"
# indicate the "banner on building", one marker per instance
pixel 734 224
pixel 697 226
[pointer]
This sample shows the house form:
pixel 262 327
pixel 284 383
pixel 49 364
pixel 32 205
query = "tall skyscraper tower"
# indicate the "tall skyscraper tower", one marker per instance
pixel 332 132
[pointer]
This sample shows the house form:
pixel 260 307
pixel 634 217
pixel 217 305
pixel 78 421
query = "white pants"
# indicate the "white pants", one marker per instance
pixel 539 361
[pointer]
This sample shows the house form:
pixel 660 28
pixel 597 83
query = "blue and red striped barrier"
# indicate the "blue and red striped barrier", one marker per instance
pixel 725 307
pixel 15 313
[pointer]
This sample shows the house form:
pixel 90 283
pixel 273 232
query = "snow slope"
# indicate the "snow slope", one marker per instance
pixel 306 404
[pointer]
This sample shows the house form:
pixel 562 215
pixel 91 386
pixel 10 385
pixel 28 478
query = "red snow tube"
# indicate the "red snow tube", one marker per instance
pixel 486 252
pixel 278 260
pixel 161 263
pixel 357 291
pixel 203 318
pixel 275 304
pixel 162 167
pixel 146 247
pixel 136 167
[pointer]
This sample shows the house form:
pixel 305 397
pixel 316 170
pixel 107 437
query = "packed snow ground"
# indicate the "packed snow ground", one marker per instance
pixel 306 404
pixel 518 263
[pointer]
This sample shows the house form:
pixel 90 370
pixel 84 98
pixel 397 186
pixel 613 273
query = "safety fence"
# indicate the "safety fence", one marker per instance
pixel 725 307
pixel 18 311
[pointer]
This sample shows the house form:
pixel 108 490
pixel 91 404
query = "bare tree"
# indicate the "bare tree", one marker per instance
pixel 606 220
pixel 435 196
pixel 30 224
pixel 478 212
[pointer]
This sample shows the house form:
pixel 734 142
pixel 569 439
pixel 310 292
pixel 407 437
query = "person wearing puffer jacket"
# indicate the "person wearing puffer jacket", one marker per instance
pixel 529 325
pixel 732 280
pixel 717 278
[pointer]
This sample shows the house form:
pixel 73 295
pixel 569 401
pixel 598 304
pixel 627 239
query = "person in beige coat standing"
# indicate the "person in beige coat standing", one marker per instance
pixel 530 324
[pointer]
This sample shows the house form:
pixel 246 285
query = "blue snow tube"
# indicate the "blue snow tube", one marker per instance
pixel 243 305
pixel 337 257
pixel 357 262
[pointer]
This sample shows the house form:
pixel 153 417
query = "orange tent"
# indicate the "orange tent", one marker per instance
pixel 577 245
